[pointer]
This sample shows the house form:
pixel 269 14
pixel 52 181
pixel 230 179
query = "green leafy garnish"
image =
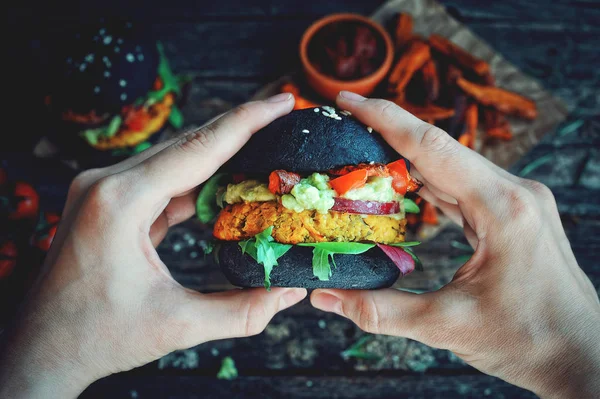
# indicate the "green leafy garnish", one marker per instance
pixel 324 250
pixel 169 80
pixel 228 370
pixel 92 136
pixel 570 127
pixel 141 147
pixel 410 206
pixel 418 264
pixel 533 165
pixel 206 204
pixel 406 244
pixel 265 251
pixel 358 351
pixel 176 117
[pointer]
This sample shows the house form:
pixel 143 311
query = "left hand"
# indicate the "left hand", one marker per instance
pixel 106 302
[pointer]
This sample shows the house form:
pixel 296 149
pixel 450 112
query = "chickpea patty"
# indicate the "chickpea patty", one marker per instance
pixel 245 220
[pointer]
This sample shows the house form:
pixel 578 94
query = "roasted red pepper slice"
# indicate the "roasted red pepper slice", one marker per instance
pixel 350 181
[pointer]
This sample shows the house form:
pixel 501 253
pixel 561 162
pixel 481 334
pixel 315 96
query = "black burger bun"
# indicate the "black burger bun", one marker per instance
pixel 306 141
pixel 102 66
pixel 369 270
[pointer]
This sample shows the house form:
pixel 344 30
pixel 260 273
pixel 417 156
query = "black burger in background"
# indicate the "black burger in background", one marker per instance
pixel 316 199
pixel 110 91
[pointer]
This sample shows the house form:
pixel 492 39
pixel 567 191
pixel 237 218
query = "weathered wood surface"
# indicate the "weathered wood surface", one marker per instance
pixel 406 386
pixel 233 47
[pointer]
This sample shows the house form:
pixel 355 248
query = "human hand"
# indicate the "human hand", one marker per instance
pixel 107 303
pixel 521 308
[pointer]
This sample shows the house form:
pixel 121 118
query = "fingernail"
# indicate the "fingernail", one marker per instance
pixel 348 95
pixel 328 303
pixel 278 98
pixel 291 297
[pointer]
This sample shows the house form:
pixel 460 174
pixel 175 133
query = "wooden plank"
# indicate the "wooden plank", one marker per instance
pixel 307 340
pixel 559 13
pixel 179 10
pixel 404 386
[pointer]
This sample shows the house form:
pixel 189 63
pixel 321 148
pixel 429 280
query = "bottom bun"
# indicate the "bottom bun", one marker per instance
pixel 369 270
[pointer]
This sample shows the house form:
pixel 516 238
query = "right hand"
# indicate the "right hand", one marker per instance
pixel 521 308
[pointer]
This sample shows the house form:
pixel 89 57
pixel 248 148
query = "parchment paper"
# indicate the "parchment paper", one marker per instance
pixel 431 17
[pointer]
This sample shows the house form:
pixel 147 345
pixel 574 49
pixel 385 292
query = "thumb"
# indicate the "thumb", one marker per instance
pixel 235 313
pixel 388 311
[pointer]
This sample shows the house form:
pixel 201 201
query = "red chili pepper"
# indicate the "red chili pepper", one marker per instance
pixel 3 177
pixel 45 233
pixel 8 258
pixel 28 202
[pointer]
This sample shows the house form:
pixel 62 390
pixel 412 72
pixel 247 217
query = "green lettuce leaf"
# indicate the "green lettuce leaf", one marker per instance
pixel 206 204
pixel 265 251
pixel 323 251
pixel 410 206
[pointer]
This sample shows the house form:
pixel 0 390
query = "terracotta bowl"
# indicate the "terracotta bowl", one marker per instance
pixel 328 86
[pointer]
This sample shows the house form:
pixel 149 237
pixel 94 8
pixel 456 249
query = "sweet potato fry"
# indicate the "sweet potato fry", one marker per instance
pixel 412 60
pixel 301 102
pixel 459 55
pixel 495 125
pixel 429 213
pixel 503 100
pixel 471 116
pixel 465 139
pixel 404 30
pixel 431 81
pixel 427 112
pixel 430 112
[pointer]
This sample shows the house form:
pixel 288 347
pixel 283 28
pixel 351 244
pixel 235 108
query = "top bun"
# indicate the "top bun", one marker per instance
pixel 307 141
pixel 103 65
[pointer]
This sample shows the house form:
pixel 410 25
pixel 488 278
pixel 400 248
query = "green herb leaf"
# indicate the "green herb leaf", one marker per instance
pixel 228 370
pixel 206 204
pixel 410 206
pixel 141 147
pixel 461 246
pixel 323 251
pixel 418 263
pixel 320 264
pixel 357 351
pixel 113 126
pixel 405 244
pixel 461 259
pixel 264 251
pixel 176 117
pixel 91 136
pixel 527 169
pixel 570 127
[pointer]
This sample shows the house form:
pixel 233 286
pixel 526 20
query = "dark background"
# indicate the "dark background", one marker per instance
pixel 232 48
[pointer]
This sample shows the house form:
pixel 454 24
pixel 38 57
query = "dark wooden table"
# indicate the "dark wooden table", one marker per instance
pixel 233 48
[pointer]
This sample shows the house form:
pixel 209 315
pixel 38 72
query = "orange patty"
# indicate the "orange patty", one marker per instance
pixel 159 113
pixel 245 220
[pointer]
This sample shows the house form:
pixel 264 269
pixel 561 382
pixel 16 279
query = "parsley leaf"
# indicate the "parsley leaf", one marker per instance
pixel 265 251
